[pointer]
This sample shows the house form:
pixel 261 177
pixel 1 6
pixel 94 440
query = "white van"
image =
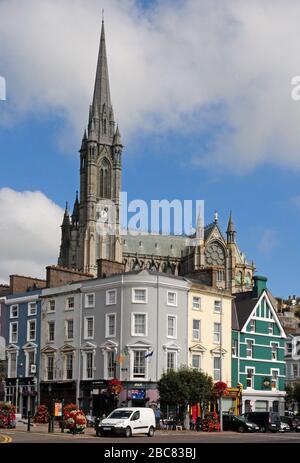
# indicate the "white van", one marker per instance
pixel 128 421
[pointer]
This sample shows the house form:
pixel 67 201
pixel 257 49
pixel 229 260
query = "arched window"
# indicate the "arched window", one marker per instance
pixel 105 180
pixel 104 127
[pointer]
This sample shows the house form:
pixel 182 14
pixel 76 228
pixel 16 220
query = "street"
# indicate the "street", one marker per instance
pixel 40 435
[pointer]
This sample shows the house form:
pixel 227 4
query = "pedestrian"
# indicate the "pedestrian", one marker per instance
pixel 157 414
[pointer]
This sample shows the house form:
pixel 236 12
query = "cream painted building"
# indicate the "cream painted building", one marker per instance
pixel 210 331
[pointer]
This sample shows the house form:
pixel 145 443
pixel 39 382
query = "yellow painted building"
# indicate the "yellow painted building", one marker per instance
pixel 210 332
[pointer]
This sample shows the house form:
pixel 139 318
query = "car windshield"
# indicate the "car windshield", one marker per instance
pixel 120 414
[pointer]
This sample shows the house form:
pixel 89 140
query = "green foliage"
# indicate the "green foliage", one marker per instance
pixel 185 386
pixel 296 392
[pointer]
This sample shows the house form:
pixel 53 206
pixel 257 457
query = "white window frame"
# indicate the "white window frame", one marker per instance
pixel 9 372
pixel 172 304
pixel 47 369
pixel 195 329
pixel 10 332
pixel 235 348
pixel 276 352
pixel 86 326
pixel 271 328
pixel 171 352
pixel 217 332
pixel 85 357
pixel 66 364
pixel 31 305
pixel 107 296
pixel 199 356
pixel 28 364
pixel 175 326
pixel 32 320
pixel 67 331
pixel 49 310
pixel 107 334
pixel 106 370
pixel 216 369
pixel 133 299
pixel 219 303
pixel 48 331
pixel 252 345
pixel 133 333
pixel 14 306
pixel 133 378
pixel 277 378
pixel 252 326
pixel 87 305
pixel 193 302
pixel 67 307
pixel 252 377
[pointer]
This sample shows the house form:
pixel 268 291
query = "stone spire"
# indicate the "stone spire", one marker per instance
pixel 231 233
pixel 102 91
pixel 117 138
pixel 75 214
pixel 66 219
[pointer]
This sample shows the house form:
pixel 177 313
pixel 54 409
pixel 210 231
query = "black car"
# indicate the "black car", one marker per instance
pixel 266 421
pixel 292 421
pixel 238 423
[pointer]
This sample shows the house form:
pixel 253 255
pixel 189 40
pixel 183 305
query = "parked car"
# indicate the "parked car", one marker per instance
pixel 284 427
pixel 292 421
pixel 128 421
pixel 266 421
pixel 238 423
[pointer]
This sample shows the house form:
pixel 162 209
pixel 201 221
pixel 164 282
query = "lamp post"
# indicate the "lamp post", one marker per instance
pixel 220 397
pixel 50 424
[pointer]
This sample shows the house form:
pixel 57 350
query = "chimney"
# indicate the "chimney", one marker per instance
pixel 260 283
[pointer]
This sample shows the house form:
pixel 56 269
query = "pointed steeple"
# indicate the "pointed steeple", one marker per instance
pixel 231 233
pixel 117 137
pixel 75 214
pixel 101 90
pixel 66 219
pixel 92 131
pixel 200 226
pixel 216 217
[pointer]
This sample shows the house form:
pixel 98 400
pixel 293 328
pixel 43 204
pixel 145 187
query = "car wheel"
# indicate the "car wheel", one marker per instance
pixel 241 429
pixel 128 432
pixel 262 429
pixel 151 431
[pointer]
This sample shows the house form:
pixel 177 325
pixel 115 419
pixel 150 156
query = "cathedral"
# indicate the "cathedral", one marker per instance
pixel 209 256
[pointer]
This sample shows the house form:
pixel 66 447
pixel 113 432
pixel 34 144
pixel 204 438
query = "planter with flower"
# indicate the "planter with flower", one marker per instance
pixel 211 423
pixel 42 414
pixel 74 419
pixel 7 415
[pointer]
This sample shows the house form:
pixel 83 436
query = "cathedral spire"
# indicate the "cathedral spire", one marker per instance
pixel 102 91
pixel 75 214
pixel 66 219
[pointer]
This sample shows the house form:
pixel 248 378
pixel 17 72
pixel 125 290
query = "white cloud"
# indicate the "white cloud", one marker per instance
pixel 29 233
pixel 177 65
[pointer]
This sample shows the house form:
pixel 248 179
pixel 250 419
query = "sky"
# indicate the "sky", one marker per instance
pixel 202 94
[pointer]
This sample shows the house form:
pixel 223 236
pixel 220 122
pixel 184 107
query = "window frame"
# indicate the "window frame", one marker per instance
pixel 11 341
pixel 200 303
pixel 67 321
pixel 199 357
pixel 172 304
pixel 108 292
pixel 174 317
pixel 32 320
pixel 248 348
pixel 49 302
pixel 107 317
pixel 132 375
pixel 86 318
pixel 172 353
pixel 87 305
pixel 196 329
pixel 14 306
pixel 133 298
pixel 29 308
pixel 52 322
pixel 251 378
pixel 133 333
pixel 219 301
pixel 217 332
pixel 67 307
pixel 216 377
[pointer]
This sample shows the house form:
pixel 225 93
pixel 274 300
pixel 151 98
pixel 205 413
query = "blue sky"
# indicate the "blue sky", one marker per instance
pixel 174 148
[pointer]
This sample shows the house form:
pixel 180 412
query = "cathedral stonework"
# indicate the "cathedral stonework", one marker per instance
pixel 207 257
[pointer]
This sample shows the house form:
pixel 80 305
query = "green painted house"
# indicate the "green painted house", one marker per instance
pixel 258 346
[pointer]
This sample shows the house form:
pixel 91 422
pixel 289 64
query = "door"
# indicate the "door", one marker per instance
pixel 136 423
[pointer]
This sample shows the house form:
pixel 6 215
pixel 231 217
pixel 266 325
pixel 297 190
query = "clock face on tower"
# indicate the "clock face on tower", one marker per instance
pixel 214 254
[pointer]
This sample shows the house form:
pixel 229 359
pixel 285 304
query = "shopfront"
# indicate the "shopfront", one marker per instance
pixel 94 398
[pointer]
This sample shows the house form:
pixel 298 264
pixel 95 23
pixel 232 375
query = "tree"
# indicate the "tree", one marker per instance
pixel 185 387
pixel 289 398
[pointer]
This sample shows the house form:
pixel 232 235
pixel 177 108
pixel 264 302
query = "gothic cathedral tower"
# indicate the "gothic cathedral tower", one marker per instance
pixel 100 180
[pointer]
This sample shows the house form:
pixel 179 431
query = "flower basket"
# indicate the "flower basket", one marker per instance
pixel 42 414
pixel 220 389
pixel 7 415
pixel 114 386
pixel 211 423
pixel 74 419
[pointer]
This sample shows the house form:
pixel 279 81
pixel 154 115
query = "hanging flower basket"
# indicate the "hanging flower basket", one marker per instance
pixel 220 389
pixel 7 415
pixel 74 419
pixel 114 386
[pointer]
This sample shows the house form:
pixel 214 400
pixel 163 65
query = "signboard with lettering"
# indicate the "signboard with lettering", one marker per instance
pixel 137 394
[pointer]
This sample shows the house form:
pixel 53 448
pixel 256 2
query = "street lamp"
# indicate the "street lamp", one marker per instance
pixel 220 396
pixel 50 425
